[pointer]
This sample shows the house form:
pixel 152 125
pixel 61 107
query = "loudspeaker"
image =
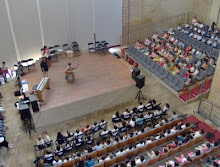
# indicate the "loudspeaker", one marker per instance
pixel 140 81
pixel 25 114
pixel 135 73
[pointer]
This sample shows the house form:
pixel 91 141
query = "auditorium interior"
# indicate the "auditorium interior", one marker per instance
pixel 120 83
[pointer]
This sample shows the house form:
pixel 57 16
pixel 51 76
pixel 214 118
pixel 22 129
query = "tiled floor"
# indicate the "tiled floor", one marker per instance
pixel 22 153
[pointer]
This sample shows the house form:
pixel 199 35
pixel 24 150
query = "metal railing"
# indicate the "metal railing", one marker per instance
pixel 210 111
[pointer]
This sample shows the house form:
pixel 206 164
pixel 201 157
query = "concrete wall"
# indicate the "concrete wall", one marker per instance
pixel 214 96
pixel 144 13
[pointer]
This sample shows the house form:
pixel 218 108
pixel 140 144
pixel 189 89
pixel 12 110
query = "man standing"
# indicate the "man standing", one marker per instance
pixel 44 67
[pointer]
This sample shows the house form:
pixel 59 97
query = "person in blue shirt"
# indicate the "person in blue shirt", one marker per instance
pixel 89 162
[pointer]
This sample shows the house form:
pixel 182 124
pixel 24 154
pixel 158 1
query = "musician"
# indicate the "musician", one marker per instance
pixel 70 71
pixel 46 51
pixel 44 67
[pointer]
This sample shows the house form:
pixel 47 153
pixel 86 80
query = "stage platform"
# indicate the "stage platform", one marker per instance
pixel 102 81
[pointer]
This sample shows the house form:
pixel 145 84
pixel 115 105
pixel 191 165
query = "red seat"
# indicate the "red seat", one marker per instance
pixel 207 85
pixel 132 62
pixel 136 64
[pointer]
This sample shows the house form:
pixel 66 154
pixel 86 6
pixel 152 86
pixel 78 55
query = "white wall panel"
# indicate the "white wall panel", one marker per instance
pixel 108 21
pixel 54 21
pixel 25 20
pixel 81 21
pixel 7 48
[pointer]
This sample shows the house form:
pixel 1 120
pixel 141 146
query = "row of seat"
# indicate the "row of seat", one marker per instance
pixel 130 141
pixel 197 158
pixel 98 46
pixel 197 44
pixel 174 81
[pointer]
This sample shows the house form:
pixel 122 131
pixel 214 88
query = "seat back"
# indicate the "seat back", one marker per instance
pixel 175 80
pixel 132 153
pixel 200 139
pixel 165 73
pixel 101 164
pixel 161 69
pixel 163 156
pixel 132 140
pixel 170 76
pixel 68 163
pixel 161 141
pixel 109 163
pixel 102 151
pixel 142 149
pixel 121 158
pixel 170 137
pixel 122 143
pixel 157 66
pixel 211 69
pixel 141 136
pixel 182 147
pixel 143 164
pixel 173 151
pixel 151 145
pixel 153 161
pixel 112 147
pixel 92 154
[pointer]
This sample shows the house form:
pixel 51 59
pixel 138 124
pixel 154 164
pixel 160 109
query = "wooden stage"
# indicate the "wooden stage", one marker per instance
pixel 97 76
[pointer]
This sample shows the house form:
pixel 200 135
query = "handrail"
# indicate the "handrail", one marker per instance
pixel 211 103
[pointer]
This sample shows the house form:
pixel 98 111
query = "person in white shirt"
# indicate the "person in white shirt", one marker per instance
pixel 166 107
pixel 140 107
pixel 57 161
pixel 196 72
pixel 46 137
pixel 141 144
pixel 173 130
pixel 40 141
pixel 104 132
pixel 114 132
pixel 175 116
pixel 157 112
pixel 103 124
pixel 198 133
pixel 120 152
pixel 78 134
pixel 131 123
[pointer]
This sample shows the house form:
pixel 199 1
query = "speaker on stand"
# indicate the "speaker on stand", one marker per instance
pixel 140 82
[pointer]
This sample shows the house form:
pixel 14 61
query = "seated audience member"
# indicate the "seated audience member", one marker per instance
pixel 48 157
pixel 103 124
pixel 60 138
pixel 2 75
pixel 140 120
pixel 109 157
pixel 126 114
pixel 104 133
pixel 182 159
pixel 149 106
pixel 41 163
pixel 57 161
pixel 59 151
pixel 131 163
pixel 131 123
pixel 89 140
pixel 153 154
pixel 116 117
pixel 166 108
pixel 78 134
pixel 141 143
pixel 139 160
pixel 120 152
pixel 87 130
pixel 198 133
pixel 40 141
pixel 205 148
pixel 46 137
pixel 140 107
pixel 89 162
pixel 89 150
pixel 115 131
pixel 95 127
pixel 81 163
pixel 158 111
pixel 174 116
pixel 188 81
pixel 68 146
pixel 98 146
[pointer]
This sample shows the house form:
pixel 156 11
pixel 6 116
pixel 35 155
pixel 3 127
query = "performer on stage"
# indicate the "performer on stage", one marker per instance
pixel 70 71
pixel 44 67
pixel 46 53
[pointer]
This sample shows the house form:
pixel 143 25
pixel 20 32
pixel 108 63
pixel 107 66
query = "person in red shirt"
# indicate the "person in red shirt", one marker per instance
pixel 188 49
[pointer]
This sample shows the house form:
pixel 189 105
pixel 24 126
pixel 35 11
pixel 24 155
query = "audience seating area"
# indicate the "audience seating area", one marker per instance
pixel 105 148
pixel 181 62
pixel 98 47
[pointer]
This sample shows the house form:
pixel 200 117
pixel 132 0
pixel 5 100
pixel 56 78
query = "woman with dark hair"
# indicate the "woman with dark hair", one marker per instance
pixel 89 162
pixel 81 163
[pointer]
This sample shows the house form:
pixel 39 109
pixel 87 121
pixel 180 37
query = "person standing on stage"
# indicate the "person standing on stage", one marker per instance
pixel 44 67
